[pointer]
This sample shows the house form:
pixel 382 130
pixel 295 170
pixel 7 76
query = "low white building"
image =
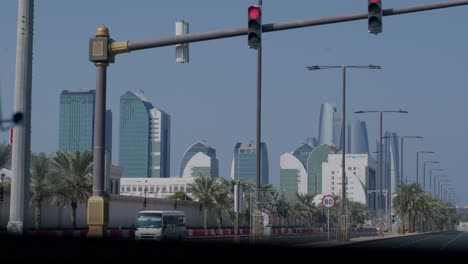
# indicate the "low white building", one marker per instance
pixel 360 175
pixel 155 187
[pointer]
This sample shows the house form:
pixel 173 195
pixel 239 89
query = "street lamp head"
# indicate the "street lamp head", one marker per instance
pixel 313 68
pixel 374 67
pixel 411 137
pixel 423 151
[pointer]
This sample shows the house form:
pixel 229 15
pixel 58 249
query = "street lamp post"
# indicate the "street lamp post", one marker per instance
pixel 436 183
pixel 380 158
pixel 442 183
pixel 430 179
pixel 417 163
pixel 424 172
pixel 343 221
pixel 401 158
pixel 401 184
pixel 144 200
pixel 2 178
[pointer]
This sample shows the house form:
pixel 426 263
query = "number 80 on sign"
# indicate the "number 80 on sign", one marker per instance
pixel 328 201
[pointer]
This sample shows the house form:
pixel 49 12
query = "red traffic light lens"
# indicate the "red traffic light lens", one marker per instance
pixel 254 12
pixel 374 1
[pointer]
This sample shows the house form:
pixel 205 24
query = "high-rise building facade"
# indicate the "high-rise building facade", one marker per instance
pixel 244 162
pixel 76 126
pixel 360 178
pixel 357 138
pixel 199 160
pixel 391 169
pixel 330 125
pixel 76 120
pixel 144 143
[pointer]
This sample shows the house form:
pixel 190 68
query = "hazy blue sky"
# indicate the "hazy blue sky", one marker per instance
pixel 424 57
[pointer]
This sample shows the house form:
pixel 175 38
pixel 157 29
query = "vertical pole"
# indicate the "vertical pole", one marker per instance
pixel 430 180
pixel 259 128
pixel 417 168
pixel 99 129
pixel 381 177
pixel 98 204
pixel 19 194
pixel 424 177
pixel 401 190
pixel 328 224
pixel 343 231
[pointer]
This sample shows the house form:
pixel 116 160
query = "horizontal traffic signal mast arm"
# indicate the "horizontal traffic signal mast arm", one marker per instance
pixel 127 46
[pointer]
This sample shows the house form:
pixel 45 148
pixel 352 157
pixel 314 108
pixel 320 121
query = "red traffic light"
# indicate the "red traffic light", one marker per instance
pixel 374 1
pixel 254 12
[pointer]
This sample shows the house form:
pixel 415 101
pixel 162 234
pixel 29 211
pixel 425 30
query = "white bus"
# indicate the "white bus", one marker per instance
pixel 160 225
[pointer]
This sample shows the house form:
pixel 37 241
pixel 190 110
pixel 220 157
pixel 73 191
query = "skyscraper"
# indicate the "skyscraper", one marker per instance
pixel 144 143
pixel 244 162
pixel 330 125
pixel 76 126
pixel 357 138
pixel 199 160
pixel 76 120
pixel 391 169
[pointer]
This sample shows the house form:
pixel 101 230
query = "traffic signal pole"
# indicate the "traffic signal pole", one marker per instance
pixel 259 232
pixel 259 225
pixel 128 46
pixel 103 51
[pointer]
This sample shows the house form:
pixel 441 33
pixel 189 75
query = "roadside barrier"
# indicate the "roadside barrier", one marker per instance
pixel 130 234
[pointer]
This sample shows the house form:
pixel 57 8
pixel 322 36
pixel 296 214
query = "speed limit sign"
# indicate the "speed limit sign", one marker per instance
pixel 328 201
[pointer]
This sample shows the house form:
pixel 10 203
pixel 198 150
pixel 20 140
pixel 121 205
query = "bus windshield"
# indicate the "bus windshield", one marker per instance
pixel 149 220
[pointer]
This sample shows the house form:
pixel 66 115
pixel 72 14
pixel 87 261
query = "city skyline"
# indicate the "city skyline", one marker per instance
pixel 213 96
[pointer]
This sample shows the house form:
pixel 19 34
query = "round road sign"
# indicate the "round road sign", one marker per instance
pixel 328 201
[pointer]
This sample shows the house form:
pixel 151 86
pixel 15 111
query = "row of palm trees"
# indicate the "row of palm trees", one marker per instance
pixel 218 194
pixel 63 177
pixel 422 211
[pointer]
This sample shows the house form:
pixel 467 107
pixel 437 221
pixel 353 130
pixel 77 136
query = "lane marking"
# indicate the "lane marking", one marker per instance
pixel 451 240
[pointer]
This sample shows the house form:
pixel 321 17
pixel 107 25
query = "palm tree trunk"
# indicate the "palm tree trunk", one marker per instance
pixel 220 220
pixel 37 213
pixel 205 216
pixel 73 214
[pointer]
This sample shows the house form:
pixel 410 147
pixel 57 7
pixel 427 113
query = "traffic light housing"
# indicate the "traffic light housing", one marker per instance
pixel 254 33
pixel 374 18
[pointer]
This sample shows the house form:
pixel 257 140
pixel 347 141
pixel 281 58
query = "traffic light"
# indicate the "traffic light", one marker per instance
pixel 374 18
pixel 254 33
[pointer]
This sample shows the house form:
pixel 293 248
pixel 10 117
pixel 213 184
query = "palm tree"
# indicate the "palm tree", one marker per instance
pixel 40 187
pixel 180 195
pixel 358 213
pixel 305 208
pixel 413 204
pixel 5 154
pixel 224 201
pixel 75 183
pixel 205 189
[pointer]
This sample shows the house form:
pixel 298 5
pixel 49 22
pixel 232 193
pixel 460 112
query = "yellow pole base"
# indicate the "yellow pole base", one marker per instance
pixel 236 239
pixel 97 231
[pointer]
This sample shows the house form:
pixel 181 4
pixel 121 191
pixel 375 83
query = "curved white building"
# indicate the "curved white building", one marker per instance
pixel 293 175
pixel 199 160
